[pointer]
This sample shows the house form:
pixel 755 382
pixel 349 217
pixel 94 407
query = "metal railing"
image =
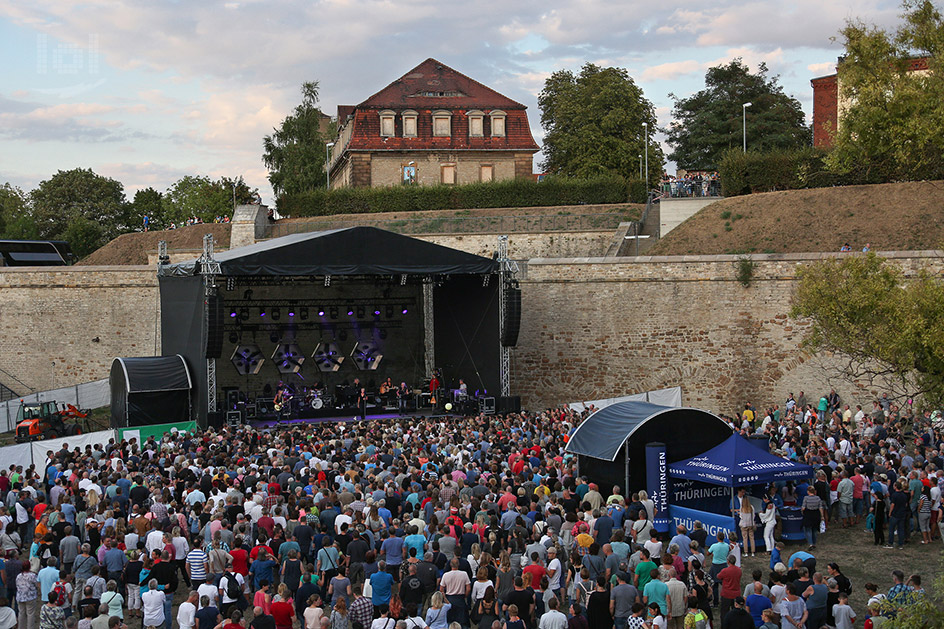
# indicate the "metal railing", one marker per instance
pixel 458 224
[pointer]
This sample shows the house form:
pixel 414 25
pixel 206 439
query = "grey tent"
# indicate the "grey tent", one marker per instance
pixel 150 390
pixel 611 443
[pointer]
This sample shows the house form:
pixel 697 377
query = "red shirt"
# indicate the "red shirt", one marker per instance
pixel 233 625
pixel 274 489
pixel 254 553
pixel 38 511
pixel 283 612
pixel 267 524
pixel 536 573
pixel 240 561
pixel 730 582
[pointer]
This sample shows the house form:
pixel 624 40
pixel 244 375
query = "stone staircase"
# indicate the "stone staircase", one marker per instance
pixel 623 242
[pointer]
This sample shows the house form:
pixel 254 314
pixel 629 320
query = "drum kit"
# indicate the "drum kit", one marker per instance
pixel 316 399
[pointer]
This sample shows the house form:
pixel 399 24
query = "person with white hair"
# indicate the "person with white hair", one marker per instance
pixel 153 601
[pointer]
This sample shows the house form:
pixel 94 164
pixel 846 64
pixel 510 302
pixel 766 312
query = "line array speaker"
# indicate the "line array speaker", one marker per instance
pixel 512 322
pixel 214 338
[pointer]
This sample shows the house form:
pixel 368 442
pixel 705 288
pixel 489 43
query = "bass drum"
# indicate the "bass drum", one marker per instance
pixel 316 403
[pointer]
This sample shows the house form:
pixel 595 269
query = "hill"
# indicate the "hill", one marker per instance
pixel 133 248
pixel 889 217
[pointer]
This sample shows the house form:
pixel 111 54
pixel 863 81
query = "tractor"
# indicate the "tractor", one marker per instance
pixel 36 421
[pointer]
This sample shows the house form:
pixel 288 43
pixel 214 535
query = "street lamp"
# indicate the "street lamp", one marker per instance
pixel 744 117
pixel 328 146
pixel 645 126
pixel 640 165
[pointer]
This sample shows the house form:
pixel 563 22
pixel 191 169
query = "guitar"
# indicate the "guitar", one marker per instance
pixel 278 406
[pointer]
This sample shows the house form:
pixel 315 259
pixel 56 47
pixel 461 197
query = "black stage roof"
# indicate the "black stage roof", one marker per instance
pixel 346 251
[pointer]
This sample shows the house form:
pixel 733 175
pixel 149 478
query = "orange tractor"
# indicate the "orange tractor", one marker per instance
pixel 44 420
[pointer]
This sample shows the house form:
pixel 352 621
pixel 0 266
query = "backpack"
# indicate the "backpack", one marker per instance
pixel 233 590
pixel 59 589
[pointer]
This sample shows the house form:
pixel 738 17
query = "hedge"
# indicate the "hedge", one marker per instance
pixel 507 193
pixel 747 173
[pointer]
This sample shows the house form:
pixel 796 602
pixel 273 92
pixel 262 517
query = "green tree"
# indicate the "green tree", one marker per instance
pixel 892 117
pixel 79 196
pixel 889 328
pixel 202 197
pixel 147 202
pixel 710 121
pixel 295 152
pixel 14 210
pixel 593 124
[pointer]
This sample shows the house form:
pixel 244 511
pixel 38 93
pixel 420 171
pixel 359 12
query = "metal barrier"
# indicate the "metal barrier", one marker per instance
pixel 457 224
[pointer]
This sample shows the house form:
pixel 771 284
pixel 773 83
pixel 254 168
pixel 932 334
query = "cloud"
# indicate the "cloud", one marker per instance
pixel 820 69
pixel 671 70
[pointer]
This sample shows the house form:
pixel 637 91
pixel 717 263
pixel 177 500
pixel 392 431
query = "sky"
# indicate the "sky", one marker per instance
pixel 147 92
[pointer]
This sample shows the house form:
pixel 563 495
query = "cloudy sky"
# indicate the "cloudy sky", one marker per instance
pixel 147 92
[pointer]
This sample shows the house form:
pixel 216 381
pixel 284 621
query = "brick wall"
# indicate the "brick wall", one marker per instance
pixel 825 110
pixel 531 245
pixel 49 318
pixel 605 327
pixel 386 168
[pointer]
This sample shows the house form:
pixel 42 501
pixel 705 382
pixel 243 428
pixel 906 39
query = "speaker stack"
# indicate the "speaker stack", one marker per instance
pixel 512 323
pixel 214 337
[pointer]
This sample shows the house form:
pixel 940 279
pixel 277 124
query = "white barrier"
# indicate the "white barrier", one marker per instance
pixel 39 448
pixel 20 454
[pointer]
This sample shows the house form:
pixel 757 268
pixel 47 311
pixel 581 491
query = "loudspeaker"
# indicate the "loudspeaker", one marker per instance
pixel 215 420
pixel 214 338
pixel 232 398
pixel 508 404
pixel 264 406
pixel 512 323
pixel 487 405
pixel 234 418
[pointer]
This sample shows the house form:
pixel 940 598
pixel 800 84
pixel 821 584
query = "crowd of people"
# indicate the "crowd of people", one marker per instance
pixel 692 184
pixel 446 522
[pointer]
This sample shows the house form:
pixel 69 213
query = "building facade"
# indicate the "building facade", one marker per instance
pixel 433 125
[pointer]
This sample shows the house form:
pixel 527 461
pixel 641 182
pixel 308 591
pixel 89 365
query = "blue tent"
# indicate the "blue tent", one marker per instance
pixel 735 463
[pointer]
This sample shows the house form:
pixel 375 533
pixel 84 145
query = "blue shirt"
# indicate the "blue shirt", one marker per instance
pixel 393 547
pixel 380 583
pixel 47 578
pixel 756 604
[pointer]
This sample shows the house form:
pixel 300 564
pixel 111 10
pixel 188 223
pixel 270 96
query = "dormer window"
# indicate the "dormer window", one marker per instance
pixel 476 124
pixel 442 124
pixel 409 123
pixel 498 123
pixel 387 126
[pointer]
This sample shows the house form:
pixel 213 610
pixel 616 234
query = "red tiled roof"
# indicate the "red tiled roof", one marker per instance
pixel 398 96
pixel 433 76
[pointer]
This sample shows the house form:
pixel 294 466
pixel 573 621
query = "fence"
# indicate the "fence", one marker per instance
pixel 89 395
pixel 505 224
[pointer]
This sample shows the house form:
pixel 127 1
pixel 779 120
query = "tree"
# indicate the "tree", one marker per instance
pixel 201 197
pixel 295 152
pixel 892 117
pixel 147 202
pixel 79 196
pixel 14 211
pixel 593 124
pixel 888 328
pixel 710 121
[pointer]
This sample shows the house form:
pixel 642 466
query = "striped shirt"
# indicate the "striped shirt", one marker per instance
pixel 197 560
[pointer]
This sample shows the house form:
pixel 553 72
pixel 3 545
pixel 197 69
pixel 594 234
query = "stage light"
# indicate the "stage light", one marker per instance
pixel 328 357
pixel 334 312
pixel 262 312
pixel 291 312
pixel 321 312
pixel 276 314
pixel 232 313
pixel 389 310
pixel 274 337
pixel 244 314
pixel 247 359
pixel 405 310
pixel 367 356
pixel 327 280
pixel 303 313
pixel 376 313
pixel 350 312
pixel 360 312
pixel 288 358
pixel 233 337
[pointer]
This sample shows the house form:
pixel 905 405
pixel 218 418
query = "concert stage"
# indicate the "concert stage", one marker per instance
pixel 381 414
pixel 325 314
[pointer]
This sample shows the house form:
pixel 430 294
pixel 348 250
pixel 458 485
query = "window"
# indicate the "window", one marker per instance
pixel 476 124
pixel 448 174
pixel 498 123
pixel 409 123
pixel 486 172
pixel 442 127
pixel 387 118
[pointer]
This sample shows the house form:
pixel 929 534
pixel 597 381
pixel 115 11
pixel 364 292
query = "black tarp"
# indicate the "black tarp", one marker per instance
pixel 347 251
pixel 466 329
pixel 183 331
pixel 149 390
pixel 599 441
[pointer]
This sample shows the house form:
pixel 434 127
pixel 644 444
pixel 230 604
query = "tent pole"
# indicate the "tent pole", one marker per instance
pixel 626 470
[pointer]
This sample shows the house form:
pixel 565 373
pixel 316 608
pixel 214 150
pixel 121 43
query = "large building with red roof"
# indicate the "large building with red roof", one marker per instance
pixel 433 125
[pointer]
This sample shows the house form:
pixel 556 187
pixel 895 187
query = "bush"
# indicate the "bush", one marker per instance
pixel 747 173
pixel 508 193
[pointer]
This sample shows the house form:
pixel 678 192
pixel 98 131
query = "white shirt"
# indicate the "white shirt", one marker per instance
pixel 209 590
pixel 383 623
pixel 554 582
pixel 344 519
pixel 155 541
pixel 153 601
pixel 225 581
pixel 186 615
pixel 553 619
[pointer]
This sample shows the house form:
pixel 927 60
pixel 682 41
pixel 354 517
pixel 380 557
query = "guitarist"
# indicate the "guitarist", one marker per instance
pixel 283 396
